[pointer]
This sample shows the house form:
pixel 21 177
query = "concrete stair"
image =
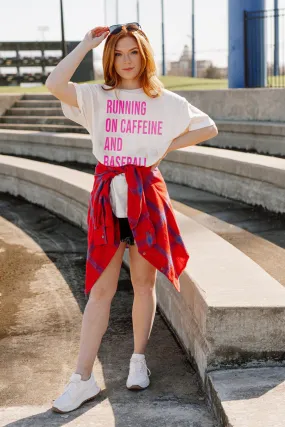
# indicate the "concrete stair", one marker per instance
pixel 228 318
pixel 261 137
pixel 42 112
pixel 38 112
pixel 43 127
pixel 250 178
pixel 37 104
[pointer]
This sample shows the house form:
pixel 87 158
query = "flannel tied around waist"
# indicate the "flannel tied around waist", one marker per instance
pixel 151 219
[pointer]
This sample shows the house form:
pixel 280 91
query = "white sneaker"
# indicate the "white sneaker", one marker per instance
pixel 75 393
pixel 138 375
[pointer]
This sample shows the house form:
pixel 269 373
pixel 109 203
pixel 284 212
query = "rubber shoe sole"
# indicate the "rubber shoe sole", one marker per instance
pixel 138 387
pixel 54 409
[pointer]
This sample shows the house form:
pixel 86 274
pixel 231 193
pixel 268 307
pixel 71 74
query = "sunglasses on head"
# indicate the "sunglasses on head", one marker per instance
pixel 131 26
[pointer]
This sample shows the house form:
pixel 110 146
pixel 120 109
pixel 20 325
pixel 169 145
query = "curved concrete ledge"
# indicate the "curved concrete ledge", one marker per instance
pixel 61 147
pixel 262 144
pixel 252 127
pixel 251 178
pixel 230 311
pixel 263 137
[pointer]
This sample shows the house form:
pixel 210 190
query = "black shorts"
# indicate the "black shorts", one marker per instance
pixel 126 234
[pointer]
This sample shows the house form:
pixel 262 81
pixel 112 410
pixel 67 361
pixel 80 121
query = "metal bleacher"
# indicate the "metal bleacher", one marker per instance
pixel 84 72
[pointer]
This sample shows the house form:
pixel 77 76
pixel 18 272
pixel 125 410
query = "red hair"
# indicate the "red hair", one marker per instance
pixel 151 84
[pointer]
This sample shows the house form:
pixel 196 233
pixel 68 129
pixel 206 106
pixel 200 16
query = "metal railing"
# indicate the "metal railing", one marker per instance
pixel 264 48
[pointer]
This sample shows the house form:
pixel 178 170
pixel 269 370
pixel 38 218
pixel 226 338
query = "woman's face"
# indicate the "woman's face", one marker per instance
pixel 127 55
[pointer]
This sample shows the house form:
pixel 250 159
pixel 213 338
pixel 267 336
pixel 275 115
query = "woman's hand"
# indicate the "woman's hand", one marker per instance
pixel 95 36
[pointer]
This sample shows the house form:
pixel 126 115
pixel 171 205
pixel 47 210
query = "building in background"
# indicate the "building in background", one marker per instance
pixel 205 68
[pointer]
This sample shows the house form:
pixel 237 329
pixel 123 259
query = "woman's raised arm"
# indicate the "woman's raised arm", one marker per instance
pixel 57 81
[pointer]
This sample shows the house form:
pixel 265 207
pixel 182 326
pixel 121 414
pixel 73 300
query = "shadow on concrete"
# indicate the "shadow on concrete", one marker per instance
pixel 43 266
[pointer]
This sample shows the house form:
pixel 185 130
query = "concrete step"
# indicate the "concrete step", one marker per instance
pixel 253 143
pixel 249 397
pixel 37 104
pixel 47 111
pixel 43 128
pixel 51 120
pixel 251 127
pixel 39 96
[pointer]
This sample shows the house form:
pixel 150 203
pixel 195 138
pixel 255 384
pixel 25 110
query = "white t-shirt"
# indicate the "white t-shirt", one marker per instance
pixel 126 126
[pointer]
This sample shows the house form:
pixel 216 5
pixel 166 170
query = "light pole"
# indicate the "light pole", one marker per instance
pixel 138 11
pixel 194 74
pixel 117 11
pixel 42 29
pixel 162 37
pixel 105 12
pixel 190 37
pixel 63 45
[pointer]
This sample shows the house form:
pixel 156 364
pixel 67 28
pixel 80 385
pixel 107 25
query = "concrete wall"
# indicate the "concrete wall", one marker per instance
pixel 7 100
pixel 240 104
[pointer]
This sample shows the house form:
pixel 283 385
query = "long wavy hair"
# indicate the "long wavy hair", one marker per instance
pixel 151 84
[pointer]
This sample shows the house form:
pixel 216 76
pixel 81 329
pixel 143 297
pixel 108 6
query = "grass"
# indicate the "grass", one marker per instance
pixel 173 83
pixel 275 81
pixel 170 82
pixel 189 83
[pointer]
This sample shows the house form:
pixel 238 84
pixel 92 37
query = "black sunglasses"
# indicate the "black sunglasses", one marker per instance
pixel 131 26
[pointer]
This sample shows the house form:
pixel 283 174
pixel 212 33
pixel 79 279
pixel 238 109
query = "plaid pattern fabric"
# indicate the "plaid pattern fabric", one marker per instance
pixel 151 219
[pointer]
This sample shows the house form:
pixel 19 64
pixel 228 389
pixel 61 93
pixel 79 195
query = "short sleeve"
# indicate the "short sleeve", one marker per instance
pixel 85 100
pixel 191 118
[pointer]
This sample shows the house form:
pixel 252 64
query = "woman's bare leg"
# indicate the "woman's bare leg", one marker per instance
pixel 97 312
pixel 143 277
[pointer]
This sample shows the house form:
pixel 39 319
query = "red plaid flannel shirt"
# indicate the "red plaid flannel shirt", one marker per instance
pixel 151 219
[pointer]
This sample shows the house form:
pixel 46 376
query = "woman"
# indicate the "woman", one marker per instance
pixel 133 122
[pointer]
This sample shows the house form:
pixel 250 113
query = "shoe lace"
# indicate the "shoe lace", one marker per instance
pixel 139 366
pixel 71 381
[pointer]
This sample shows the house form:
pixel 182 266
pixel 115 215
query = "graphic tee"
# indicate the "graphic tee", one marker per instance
pixel 128 127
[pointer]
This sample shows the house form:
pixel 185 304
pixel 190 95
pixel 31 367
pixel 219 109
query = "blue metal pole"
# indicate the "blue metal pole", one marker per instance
pixel 194 73
pixel 276 38
pixel 256 46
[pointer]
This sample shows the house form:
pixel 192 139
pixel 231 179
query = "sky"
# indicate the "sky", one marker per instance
pixel 20 20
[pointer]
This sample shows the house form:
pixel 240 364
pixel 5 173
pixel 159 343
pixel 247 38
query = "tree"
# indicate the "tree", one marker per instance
pixel 213 73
